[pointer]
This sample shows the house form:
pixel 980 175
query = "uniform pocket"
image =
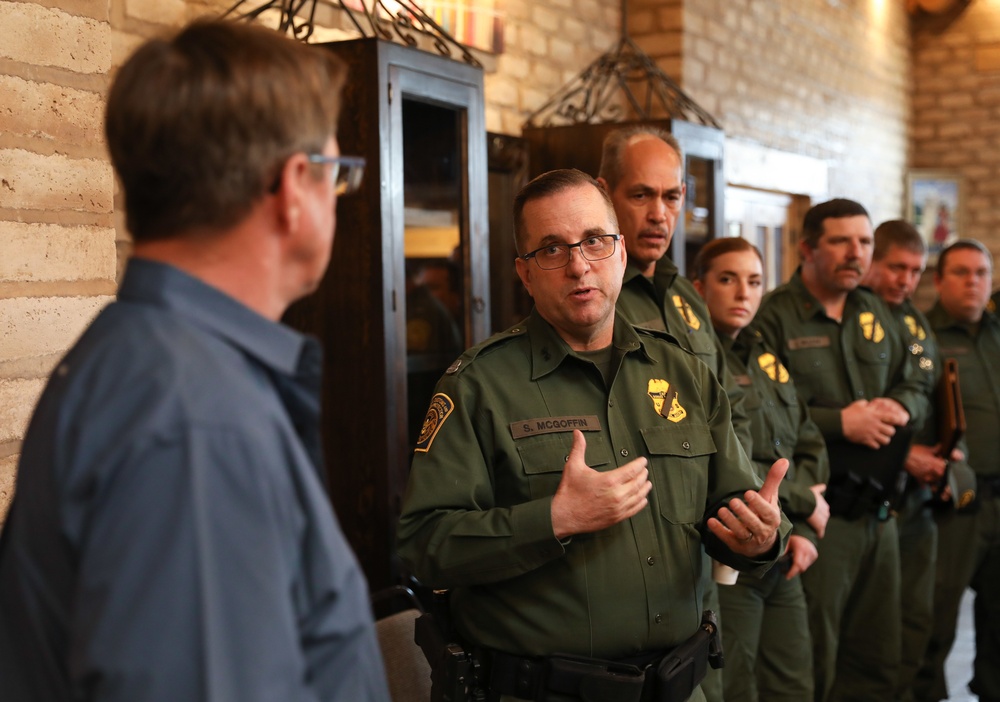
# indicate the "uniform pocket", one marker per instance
pixel 679 457
pixel 543 458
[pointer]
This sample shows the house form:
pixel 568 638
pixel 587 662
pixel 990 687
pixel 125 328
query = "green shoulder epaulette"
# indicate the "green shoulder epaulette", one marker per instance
pixel 495 341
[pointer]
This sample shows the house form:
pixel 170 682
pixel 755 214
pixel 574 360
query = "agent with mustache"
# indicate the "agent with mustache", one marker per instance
pixel 844 351
pixel 642 169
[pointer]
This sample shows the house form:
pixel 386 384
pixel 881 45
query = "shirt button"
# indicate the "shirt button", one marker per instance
pixel 817 364
pixel 658 618
pixel 882 355
pixel 611 403
pixel 624 453
pixel 777 442
pixel 566 458
pixel 861 393
pixel 686 446
pixel 650 560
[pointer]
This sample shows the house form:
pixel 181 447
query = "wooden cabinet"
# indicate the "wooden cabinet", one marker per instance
pixel 408 285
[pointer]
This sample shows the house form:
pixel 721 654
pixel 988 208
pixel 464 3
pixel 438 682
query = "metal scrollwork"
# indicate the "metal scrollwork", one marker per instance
pixel 400 21
pixel 626 71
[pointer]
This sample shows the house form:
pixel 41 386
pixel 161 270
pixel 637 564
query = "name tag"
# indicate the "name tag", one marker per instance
pixel 552 425
pixel 957 351
pixel 808 342
pixel 742 380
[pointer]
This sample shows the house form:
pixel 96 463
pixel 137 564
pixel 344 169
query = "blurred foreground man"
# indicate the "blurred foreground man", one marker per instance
pixel 850 366
pixel 170 538
pixel 969 540
pixel 570 469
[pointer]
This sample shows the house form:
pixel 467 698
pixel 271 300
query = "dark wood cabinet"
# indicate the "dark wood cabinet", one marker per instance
pixel 408 285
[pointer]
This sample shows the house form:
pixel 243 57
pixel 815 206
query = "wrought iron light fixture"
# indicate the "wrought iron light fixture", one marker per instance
pixel 399 21
pixel 626 72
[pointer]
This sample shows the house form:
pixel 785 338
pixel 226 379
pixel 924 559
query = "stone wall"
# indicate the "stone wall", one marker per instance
pixel 827 79
pixel 56 198
pixel 956 112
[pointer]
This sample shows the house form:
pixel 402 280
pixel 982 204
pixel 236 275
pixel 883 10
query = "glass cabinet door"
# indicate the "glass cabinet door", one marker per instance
pixel 445 309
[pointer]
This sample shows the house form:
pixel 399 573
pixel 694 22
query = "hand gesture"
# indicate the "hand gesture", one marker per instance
pixel 750 528
pixel 821 514
pixel 803 553
pixel 925 465
pixel 588 500
pixel 868 423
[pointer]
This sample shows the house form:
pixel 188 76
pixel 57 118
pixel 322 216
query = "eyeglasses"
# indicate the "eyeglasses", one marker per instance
pixel 593 248
pixel 346 171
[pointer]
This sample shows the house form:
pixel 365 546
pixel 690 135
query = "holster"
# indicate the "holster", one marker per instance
pixel 683 669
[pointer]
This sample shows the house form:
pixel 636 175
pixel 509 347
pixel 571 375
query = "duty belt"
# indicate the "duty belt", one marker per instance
pixel 665 676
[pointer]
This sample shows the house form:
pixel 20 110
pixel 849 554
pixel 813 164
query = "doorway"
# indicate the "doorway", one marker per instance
pixel 769 220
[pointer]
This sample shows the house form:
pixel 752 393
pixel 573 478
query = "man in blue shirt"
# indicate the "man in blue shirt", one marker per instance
pixel 170 538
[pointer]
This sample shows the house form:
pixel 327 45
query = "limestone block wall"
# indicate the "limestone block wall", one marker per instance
pixel 57 236
pixel 827 79
pixel 956 113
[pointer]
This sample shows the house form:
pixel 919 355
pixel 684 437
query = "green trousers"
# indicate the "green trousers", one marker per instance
pixel 852 592
pixel 917 558
pixel 765 636
pixel 968 556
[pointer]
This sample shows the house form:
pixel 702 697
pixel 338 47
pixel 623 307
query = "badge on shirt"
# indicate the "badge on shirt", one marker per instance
pixel 441 407
pixel 871 327
pixel 916 331
pixel 658 390
pixel 769 363
pixel 687 313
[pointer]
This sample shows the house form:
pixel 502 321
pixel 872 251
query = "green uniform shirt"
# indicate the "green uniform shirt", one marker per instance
pixel 476 516
pixel 835 363
pixel 779 425
pixel 977 350
pixel 670 303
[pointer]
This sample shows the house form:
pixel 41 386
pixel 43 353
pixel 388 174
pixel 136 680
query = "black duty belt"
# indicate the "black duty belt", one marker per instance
pixel 665 676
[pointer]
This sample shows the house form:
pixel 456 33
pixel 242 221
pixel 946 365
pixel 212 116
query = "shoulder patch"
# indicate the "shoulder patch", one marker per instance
pixel 441 407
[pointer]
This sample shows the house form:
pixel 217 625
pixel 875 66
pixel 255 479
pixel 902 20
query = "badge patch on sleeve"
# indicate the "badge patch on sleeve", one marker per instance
pixel 441 407
pixel 773 367
pixel 871 327
pixel 687 313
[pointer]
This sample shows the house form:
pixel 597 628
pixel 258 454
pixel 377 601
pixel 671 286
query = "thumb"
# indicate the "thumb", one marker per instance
pixel 578 452
pixel 774 477
pixel 818 488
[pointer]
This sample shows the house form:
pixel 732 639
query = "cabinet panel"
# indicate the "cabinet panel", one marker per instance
pixel 418 120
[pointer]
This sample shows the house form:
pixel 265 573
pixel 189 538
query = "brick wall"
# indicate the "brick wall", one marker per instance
pixel 956 112
pixel 56 198
pixel 827 79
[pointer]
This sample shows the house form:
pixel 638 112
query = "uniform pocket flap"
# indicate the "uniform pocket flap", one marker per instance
pixel 548 454
pixel 688 439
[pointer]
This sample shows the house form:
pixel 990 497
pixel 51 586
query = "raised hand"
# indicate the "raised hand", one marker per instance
pixel 750 527
pixel 588 500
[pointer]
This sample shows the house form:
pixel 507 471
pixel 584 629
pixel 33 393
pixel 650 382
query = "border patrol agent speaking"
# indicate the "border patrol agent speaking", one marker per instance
pixel 568 472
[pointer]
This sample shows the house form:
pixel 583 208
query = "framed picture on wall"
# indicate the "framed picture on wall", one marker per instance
pixel 934 207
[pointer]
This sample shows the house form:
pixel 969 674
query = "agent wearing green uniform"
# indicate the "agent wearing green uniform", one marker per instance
pixel 969 540
pixel 898 260
pixel 850 366
pixel 765 622
pixel 565 478
pixel 642 170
